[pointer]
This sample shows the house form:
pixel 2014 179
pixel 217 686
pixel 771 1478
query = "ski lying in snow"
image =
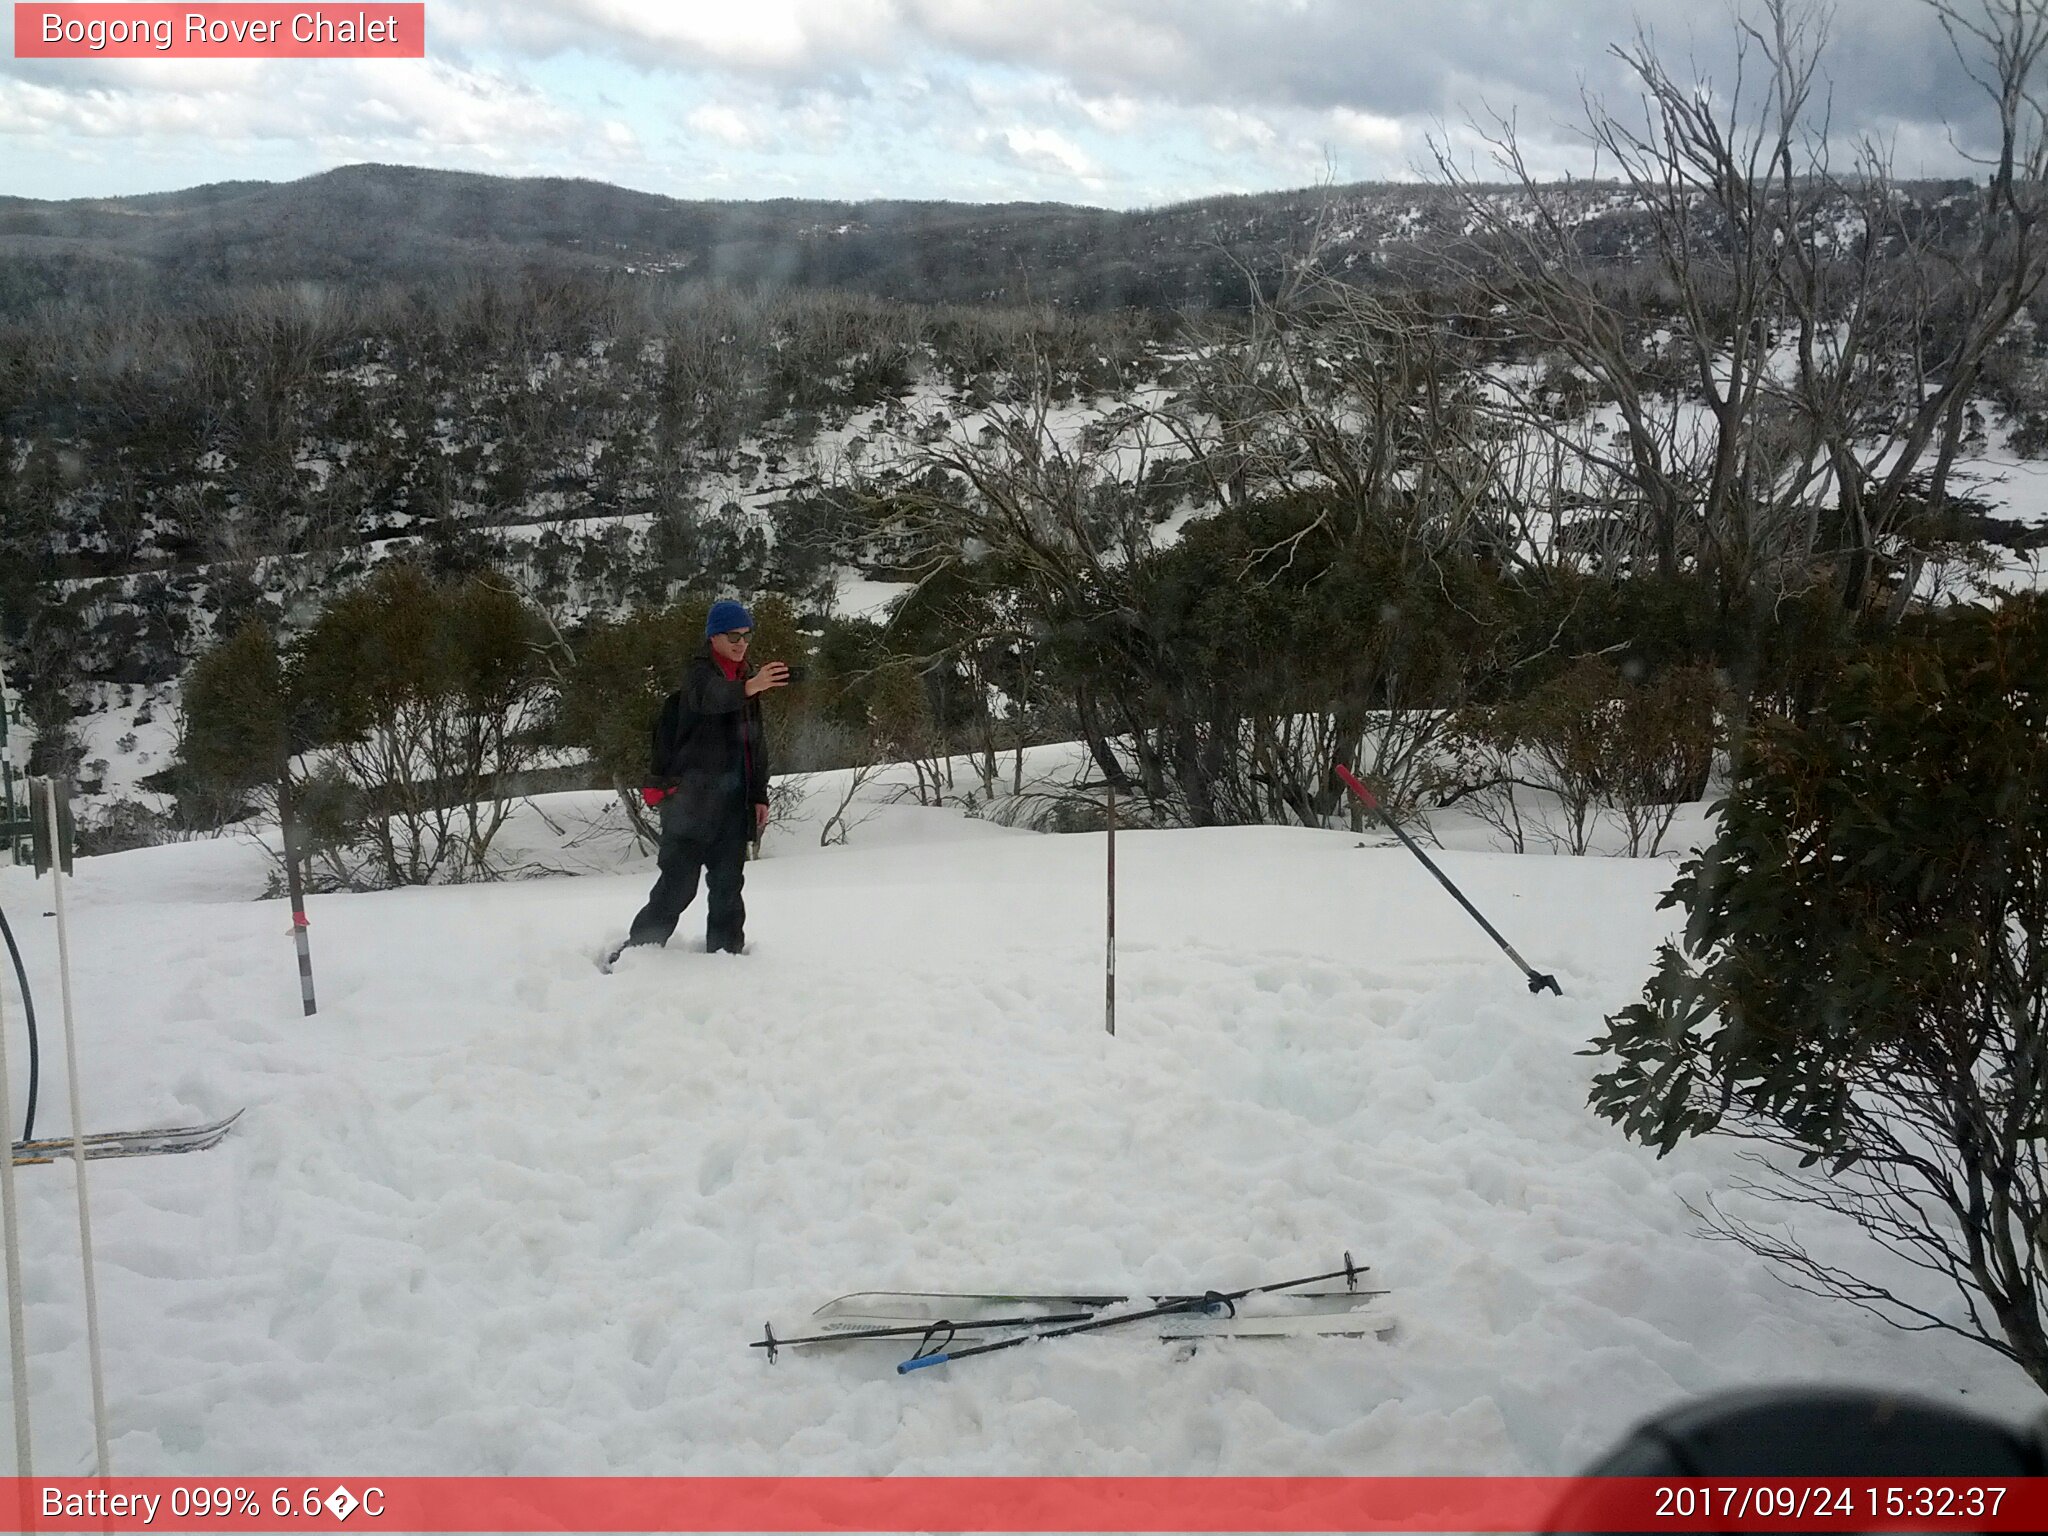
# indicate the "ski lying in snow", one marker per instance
pixel 163 1133
pixel 1355 1322
pixel 163 1139
pixel 118 1146
pixel 936 1319
pixel 912 1305
pixel 1180 1318
pixel 1179 1327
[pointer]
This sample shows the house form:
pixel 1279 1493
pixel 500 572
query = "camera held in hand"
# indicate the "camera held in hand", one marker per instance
pixel 795 671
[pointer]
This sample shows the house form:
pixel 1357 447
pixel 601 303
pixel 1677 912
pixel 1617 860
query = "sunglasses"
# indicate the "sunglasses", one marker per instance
pixel 739 636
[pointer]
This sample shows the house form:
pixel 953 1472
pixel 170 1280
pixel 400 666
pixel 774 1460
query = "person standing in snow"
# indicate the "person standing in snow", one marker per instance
pixel 711 766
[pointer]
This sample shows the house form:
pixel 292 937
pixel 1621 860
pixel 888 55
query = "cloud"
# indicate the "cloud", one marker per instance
pixel 1048 153
pixel 962 95
pixel 1371 80
pixel 1111 114
pixel 724 124
pixel 763 37
pixel 808 122
pixel 347 109
pixel 1368 130
pixel 1230 131
pixel 819 120
pixel 1888 59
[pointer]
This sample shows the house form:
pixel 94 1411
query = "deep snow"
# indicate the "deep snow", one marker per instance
pixel 494 1212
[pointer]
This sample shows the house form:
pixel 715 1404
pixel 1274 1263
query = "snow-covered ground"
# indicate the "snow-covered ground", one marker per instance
pixel 127 732
pixel 494 1212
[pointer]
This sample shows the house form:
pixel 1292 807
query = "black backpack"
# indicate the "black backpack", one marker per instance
pixel 668 731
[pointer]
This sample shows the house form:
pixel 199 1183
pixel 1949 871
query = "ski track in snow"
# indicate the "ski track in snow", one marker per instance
pixel 493 1212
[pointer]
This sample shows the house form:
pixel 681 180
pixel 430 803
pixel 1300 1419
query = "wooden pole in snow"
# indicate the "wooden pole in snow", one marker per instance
pixel 287 829
pixel 1109 976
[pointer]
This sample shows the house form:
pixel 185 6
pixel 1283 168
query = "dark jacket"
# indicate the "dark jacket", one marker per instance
pixel 709 748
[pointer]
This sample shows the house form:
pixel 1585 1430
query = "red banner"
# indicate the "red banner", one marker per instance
pixel 359 31
pixel 1259 1504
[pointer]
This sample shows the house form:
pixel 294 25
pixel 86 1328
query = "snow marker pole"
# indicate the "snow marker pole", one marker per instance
pixel 296 890
pixel 53 789
pixel 1208 1302
pixel 1538 981
pixel 1109 975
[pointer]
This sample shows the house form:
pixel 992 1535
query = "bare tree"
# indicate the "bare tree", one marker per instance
pixel 1339 452
pixel 1801 397
pixel 1363 398
pixel 1048 512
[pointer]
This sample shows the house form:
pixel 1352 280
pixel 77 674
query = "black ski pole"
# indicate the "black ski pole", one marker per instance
pixel 773 1345
pixel 1211 1301
pixel 1538 981
pixel 28 1007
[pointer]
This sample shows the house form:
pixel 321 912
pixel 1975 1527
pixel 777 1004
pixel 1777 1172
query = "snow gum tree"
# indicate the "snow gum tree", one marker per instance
pixel 236 725
pixel 421 696
pixel 1863 979
pixel 1790 410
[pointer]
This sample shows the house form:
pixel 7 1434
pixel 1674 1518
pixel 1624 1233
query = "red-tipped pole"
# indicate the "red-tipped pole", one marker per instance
pixel 1538 981
pixel 287 829
pixel 1109 954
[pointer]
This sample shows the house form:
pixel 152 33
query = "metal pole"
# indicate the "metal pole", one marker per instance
pixel 92 1296
pixel 297 891
pixel 1109 976
pixel 1538 981
pixel 16 1333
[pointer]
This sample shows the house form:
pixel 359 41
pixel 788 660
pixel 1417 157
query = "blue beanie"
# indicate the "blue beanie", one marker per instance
pixel 726 615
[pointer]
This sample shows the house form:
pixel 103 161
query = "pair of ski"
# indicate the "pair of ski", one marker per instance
pixel 953 1325
pixel 150 1143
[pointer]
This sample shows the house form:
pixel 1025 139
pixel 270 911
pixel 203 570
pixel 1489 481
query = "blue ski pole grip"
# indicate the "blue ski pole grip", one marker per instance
pixel 920 1363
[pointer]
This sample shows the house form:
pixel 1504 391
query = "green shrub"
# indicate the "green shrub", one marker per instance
pixel 235 735
pixel 1588 747
pixel 1863 978
pixel 422 695
pixel 416 698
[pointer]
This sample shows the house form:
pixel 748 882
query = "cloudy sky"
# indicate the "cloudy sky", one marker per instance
pixel 1118 103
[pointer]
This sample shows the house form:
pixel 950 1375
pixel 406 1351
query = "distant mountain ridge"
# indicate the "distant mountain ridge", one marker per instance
pixel 381 222
pixel 369 224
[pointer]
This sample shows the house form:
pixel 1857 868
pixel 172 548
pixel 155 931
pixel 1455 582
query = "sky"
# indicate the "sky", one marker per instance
pixel 1112 103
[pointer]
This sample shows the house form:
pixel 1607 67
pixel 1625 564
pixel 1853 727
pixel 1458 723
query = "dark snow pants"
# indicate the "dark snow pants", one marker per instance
pixel 721 857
